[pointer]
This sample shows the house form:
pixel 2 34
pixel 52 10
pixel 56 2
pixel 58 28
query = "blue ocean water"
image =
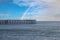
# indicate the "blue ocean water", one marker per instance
pixel 43 30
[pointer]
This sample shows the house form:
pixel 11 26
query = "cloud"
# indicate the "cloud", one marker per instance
pixel 52 13
pixel 35 9
pixel 1 14
pixel 48 10
pixel 54 10
pixel 22 2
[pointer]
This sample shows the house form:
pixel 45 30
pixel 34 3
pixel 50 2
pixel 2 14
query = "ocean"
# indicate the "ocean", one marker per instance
pixel 42 30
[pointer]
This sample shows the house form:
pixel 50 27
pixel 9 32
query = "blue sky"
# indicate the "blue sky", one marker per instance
pixel 11 10
pixel 15 9
pixel 42 10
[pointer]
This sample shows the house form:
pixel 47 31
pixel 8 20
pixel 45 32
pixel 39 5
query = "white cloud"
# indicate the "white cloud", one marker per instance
pixel 51 13
pixel 22 2
pixel 37 11
pixel 1 14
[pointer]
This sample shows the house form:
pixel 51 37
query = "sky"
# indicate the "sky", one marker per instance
pixel 40 10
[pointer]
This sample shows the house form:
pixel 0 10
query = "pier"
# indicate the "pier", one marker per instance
pixel 17 21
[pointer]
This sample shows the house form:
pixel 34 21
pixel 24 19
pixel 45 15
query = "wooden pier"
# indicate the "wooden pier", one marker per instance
pixel 17 21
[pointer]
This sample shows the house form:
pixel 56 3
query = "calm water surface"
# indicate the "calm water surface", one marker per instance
pixel 40 31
